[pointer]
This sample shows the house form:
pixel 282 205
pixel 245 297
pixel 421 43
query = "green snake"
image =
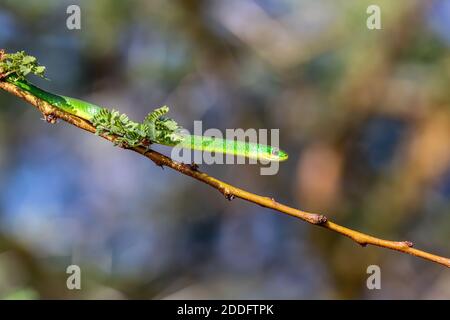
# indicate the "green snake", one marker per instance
pixel 155 129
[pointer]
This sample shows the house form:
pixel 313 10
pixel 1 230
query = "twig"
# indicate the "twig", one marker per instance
pixel 228 190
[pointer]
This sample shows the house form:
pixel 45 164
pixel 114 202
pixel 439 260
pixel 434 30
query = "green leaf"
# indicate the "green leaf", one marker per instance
pixel 28 59
pixel 20 65
pixel 155 128
pixel 40 70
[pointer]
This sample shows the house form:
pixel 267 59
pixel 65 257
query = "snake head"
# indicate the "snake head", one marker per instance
pixel 274 154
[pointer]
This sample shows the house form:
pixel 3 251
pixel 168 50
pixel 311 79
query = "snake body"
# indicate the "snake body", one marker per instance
pixel 88 111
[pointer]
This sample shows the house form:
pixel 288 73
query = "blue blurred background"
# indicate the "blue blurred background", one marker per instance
pixel 364 115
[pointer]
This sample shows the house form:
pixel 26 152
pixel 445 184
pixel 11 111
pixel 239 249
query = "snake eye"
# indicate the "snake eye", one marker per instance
pixel 275 153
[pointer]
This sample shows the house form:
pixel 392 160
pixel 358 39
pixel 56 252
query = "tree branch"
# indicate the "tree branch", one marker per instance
pixel 52 113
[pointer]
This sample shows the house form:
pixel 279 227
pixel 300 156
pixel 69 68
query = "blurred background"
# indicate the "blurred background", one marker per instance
pixel 364 115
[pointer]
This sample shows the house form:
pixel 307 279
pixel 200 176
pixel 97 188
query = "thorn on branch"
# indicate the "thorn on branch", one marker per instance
pixel 321 219
pixel 123 144
pixel 159 163
pixel 193 166
pixel 146 143
pixel 317 219
pixel 50 118
pixel 408 244
pixel 230 196
pixel 227 193
pixel 155 161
